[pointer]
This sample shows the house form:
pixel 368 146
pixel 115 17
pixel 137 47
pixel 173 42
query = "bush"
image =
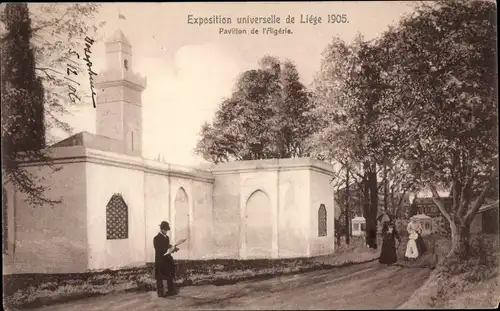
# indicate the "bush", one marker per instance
pixel 458 275
pixel 441 227
pixel 455 278
pixel 354 243
pixel 481 265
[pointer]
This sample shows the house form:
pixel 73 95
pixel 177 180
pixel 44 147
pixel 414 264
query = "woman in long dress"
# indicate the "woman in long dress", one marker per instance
pixel 388 254
pixel 421 247
pixel 411 247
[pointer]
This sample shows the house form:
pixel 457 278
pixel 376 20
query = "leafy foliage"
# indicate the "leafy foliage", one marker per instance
pixel 59 32
pixel 36 42
pixel 355 132
pixel 416 108
pixel 23 129
pixel 444 101
pixel 267 116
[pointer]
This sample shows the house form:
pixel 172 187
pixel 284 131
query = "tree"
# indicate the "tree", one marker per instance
pixel 37 43
pixel 23 127
pixel 58 32
pixel 22 90
pixel 267 116
pixel 349 93
pixel 444 102
pixel 294 119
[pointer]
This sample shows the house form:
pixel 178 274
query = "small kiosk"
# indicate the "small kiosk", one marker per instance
pixel 358 226
pixel 426 223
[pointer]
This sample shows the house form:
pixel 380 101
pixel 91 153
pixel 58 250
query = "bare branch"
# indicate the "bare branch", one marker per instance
pixel 439 203
pixel 481 199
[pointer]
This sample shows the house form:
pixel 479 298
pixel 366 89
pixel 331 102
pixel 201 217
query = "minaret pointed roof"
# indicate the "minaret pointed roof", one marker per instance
pixel 118 36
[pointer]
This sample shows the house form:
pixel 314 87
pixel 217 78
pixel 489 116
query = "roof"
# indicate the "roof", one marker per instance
pixel 421 216
pixel 118 36
pixel 359 219
pixel 488 207
pixel 92 141
pixel 430 200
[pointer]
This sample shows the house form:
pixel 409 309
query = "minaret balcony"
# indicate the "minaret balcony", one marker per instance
pixel 111 77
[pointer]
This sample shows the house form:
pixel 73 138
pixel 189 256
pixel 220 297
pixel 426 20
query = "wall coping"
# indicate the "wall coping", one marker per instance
pixel 204 173
pixel 271 165
pixel 80 154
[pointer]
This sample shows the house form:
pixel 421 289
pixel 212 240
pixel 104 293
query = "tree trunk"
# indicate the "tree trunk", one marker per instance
pixel 366 210
pixel 372 181
pixel 386 191
pixel 460 240
pixel 347 218
pixel 370 198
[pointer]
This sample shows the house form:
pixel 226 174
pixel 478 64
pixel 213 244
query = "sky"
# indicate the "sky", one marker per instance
pixel 190 68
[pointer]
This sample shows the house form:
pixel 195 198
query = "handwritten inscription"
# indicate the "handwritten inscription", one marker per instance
pixel 88 44
pixel 72 70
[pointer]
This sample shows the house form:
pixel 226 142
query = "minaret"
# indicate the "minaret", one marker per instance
pixel 119 90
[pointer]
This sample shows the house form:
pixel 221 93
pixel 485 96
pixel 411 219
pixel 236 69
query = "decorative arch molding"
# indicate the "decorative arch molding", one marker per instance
pixel 182 211
pixel 175 186
pixel 258 225
pixel 182 192
pixel 250 194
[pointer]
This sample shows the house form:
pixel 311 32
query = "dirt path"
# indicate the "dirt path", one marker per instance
pixel 365 286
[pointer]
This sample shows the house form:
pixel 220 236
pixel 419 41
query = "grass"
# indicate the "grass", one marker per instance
pixel 232 271
pixel 35 290
pixel 455 283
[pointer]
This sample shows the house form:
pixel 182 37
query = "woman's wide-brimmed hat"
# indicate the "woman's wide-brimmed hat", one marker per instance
pixel 164 225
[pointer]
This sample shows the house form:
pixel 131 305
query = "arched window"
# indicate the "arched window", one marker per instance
pixel 5 221
pixel 322 220
pixel 116 218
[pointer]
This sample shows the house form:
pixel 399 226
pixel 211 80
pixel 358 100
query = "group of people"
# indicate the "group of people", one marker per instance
pixel 391 240
pixel 165 265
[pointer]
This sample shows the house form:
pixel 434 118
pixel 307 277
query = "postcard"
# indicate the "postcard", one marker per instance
pixel 250 155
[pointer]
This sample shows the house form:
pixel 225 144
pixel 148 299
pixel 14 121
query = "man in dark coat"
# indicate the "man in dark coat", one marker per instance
pixel 164 263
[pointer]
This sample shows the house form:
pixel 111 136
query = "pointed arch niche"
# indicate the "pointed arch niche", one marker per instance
pixel 258 223
pixel 181 223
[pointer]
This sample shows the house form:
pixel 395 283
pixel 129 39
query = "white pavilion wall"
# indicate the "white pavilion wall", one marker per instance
pixel 293 232
pixel 49 238
pixel 259 214
pixel 157 208
pixel 272 199
pixel 103 181
pixel 321 193
pixel 191 217
pixel 226 216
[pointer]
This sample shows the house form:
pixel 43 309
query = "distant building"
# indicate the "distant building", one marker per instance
pixel 428 207
pixel 356 203
pixel 426 223
pixel 358 226
pixel 486 219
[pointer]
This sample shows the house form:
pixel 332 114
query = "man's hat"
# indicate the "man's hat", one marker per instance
pixel 164 225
